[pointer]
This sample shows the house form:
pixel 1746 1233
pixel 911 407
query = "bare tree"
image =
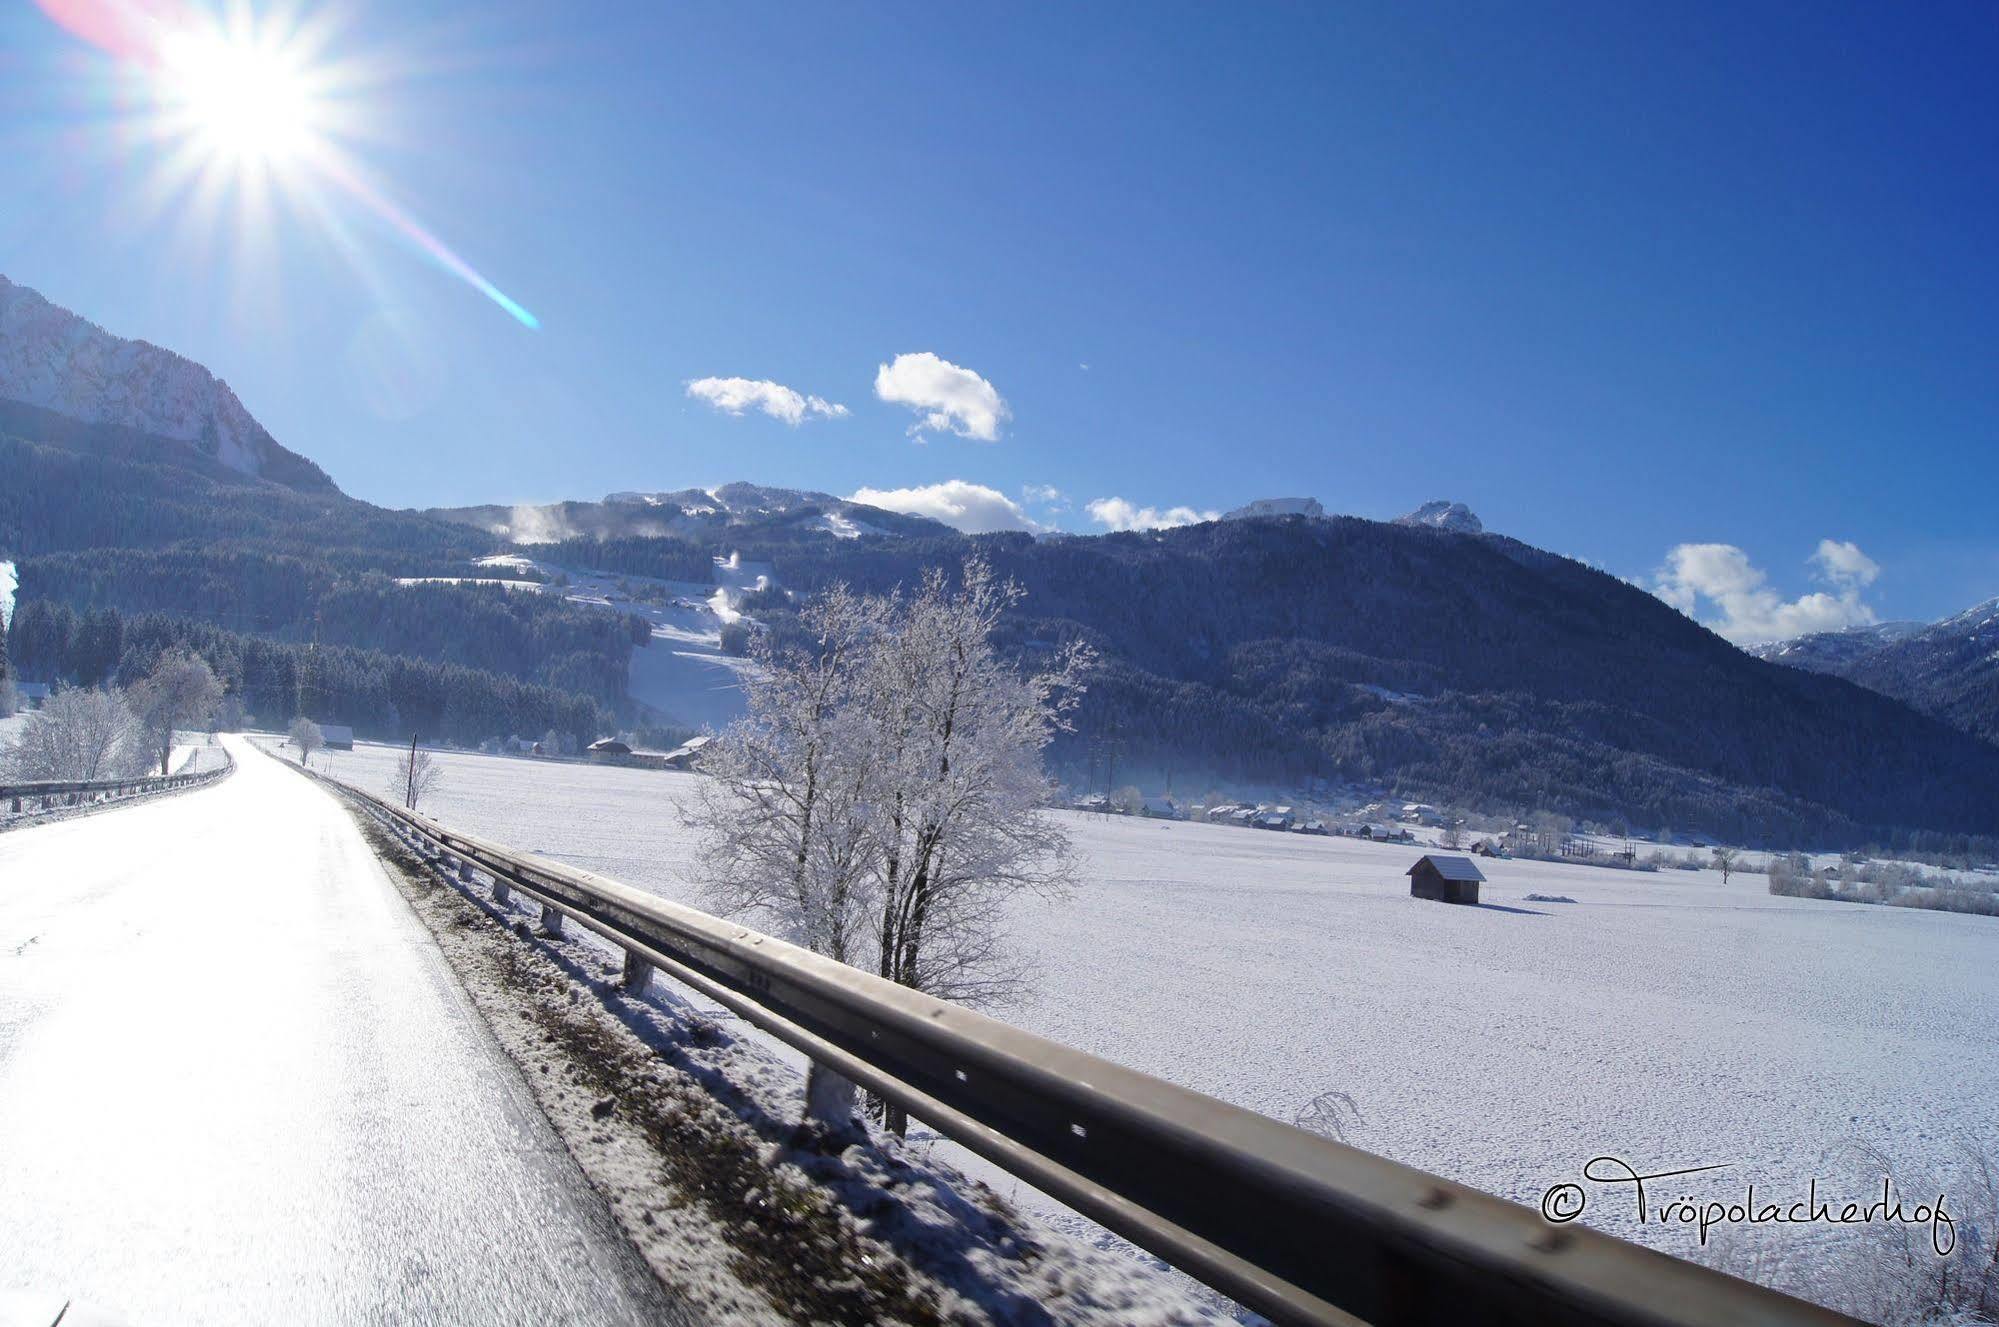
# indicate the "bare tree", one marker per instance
pixel 305 738
pixel 1724 862
pixel 880 800
pixel 79 735
pixel 961 735
pixel 785 822
pixel 180 692
pixel 417 773
pixel 1453 835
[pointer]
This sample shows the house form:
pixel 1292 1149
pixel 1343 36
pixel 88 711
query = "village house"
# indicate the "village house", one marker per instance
pixel 687 755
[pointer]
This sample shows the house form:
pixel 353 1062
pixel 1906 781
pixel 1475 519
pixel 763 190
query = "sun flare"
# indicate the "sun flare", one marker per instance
pixel 240 101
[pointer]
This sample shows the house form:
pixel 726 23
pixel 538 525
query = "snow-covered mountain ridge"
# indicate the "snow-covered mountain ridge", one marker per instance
pixel 1444 515
pixel 1949 669
pixel 56 361
pixel 689 511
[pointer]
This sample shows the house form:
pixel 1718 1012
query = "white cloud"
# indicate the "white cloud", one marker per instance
pixel 1722 576
pixel 1843 564
pixel 972 508
pixel 1118 514
pixel 735 395
pixel 947 397
pixel 1052 500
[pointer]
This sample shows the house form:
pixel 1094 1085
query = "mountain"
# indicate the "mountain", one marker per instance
pixel 1276 507
pixel 1834 651
pixel 67 381
pixel 694 512
pixel 1948 669
pixel 1478 671
pixel 145 507
pixel 1441 515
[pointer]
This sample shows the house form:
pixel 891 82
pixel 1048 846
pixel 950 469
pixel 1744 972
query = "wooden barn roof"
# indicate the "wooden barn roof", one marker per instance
pixel 1451 868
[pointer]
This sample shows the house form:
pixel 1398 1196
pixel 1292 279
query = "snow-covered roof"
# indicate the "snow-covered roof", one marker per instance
pixel 1449 867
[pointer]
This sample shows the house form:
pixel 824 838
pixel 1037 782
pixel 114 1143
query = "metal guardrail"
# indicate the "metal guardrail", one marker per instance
pixel 1297 1227
pixel 16 797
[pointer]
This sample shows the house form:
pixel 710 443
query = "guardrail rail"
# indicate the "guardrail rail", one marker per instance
pixel 1296 1226
pixel 27 798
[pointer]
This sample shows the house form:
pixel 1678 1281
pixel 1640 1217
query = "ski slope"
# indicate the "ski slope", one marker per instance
pixel 238 1085
pixel 1666 1018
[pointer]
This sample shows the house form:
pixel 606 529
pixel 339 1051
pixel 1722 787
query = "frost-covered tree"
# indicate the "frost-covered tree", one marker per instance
pixel 1724 862
pixel 880 801
pixel 305 737
pixel 788 824
pixel 181 692
pixel 78 735
pixel 417 773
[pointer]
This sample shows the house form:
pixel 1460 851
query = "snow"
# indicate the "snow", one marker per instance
pixel 8 581
pixel 663 1060
pixel 1664 1017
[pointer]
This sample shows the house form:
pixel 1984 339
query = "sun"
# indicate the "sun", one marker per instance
pixel 239 101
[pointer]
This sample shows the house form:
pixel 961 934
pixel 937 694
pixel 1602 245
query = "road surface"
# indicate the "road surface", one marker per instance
pixel 238 1084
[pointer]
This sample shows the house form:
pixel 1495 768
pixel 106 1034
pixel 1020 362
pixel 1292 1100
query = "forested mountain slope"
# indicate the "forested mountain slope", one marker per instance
pixel 1464 666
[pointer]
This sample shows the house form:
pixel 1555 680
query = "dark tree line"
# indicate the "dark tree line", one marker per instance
pixel 59 497
pixel 379 694
pixel 532 636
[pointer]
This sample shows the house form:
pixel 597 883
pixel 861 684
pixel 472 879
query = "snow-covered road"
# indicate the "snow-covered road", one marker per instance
pixel 238 1084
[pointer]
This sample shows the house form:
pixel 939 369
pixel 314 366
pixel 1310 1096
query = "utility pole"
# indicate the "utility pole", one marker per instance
pixel 409 794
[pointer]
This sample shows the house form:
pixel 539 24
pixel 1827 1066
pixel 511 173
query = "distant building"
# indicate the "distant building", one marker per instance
pixel 609 750
pixel 1159 808
pixel 687 755
pixel 336 736
pixel 1445 879
pixel 1096 802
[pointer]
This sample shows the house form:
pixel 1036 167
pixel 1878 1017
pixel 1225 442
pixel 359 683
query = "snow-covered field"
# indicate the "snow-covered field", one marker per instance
pixel 1664 1018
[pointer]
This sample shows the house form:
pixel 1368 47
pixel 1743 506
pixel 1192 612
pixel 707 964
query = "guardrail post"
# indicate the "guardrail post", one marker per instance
pixel 501 894
pixel 829 1101
pixel 464 872
pixel 551 919
pixel 638 972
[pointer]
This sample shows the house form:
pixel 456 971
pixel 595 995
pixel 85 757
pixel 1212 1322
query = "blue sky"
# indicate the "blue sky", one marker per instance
pixel 1622 278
